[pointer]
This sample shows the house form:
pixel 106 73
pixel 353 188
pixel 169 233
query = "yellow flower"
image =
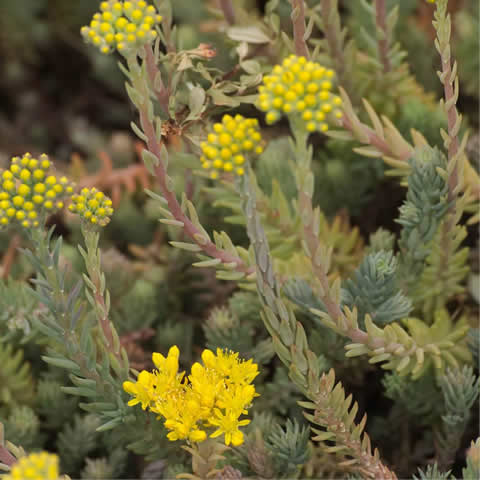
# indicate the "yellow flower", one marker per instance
pixel 168 365
pixel 36 466
pixel 122 25
pixel 301 90
pixel 229 366
pixel 215 394
pixel 206 385
pixel 93 206
pixel 163 381
pixel 236 398
pixel 20 189
pixel 227 147
pixel 142 389
pixel 228 424
pixel 182 416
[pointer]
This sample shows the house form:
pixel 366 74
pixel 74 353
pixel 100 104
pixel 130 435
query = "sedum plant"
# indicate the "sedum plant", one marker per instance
pixel 302 305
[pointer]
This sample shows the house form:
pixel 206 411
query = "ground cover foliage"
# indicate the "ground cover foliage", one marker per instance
pixel 252 248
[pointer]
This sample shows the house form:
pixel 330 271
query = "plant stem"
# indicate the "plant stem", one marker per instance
pixel 298 20
pixel 176 210
pixel 93 265
pixel 228 11
pixel 155 147
pixel 382 33
pixel 291 345
pixel 59 298
pixel 450 83
pixel 319 256
pixel 205 457
pixel 395 149
pixel 310 237
pixel 372 138
pixel 9 256
pixel 155 76
pixel 449 79
pixel 6 457
pixel 333 35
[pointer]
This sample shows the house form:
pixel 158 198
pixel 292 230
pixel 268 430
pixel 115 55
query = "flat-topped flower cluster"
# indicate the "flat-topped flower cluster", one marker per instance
pixel 28 191
pixel 229 144
pixel 93 206
pixel 36 466
pixel 122 26
pixel 213 396
pixel 300 89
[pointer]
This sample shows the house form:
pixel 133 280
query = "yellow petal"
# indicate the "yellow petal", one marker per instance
pixel 130 387
pixel 158 360
pixel 237 438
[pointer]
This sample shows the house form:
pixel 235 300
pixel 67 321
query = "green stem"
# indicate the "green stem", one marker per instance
pixel 205 457
pixel 311 242
pixel 291 345
pixel 55 291
pixel 456 159
pixel 101 296
pixel 450 83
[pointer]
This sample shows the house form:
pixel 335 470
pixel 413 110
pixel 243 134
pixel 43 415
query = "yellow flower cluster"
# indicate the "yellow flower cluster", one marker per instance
pixel 122 25
pixel 215 394
pixel 93 206
pixel 228 145
pixel 27 191
pixel 36 466
pixel 301 89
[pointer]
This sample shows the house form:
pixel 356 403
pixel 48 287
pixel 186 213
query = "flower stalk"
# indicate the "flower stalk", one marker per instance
pixel 60 304
pixel 334 37
pixel 5 456
pixel 382 33
pixel 156 83
pixel 387 142
pixel 100 296
pixel 291 345
pixel 298 20
pixel 205 457
pixel 228 11
pixel 449 79
pixel 157 149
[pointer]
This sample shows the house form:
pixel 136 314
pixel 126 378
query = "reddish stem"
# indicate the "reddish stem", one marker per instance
pixel 163 93
pixel 381 20
pixel 298 20
pixel 228 11
pixel 452 117
pixel 104 320
pixel 333 308
pixel 6 457
pixel 373 139
pixel 176 210
pixel 10 254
